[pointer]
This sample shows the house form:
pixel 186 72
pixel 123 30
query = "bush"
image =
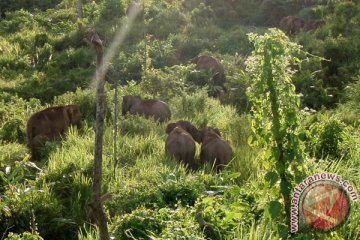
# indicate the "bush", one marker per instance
pixel 141 223
pixel 325 138
pixel 14 113
pixel 27 207
pixel 162 54
pixel 12 152
pixel 23 236
pixel 165 21
pixel 84 98
pixel 166 83
pixel 235 42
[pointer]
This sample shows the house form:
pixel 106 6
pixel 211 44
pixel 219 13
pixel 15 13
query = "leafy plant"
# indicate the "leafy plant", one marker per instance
pixel 275 119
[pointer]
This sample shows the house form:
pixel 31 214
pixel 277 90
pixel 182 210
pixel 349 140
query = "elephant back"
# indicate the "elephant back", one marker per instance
pixel 44 121
pixel 215 148
pixel 209 63
pixel 157 109
pixel 181 145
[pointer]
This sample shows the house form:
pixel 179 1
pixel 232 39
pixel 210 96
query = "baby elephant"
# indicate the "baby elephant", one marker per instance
pixel 181 144
pixel 214 149
pixel 157 109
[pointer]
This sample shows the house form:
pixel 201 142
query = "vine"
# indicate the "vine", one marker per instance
pixel 275 120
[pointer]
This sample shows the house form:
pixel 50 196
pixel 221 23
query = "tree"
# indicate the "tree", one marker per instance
pixel 79 8
pixel 94 39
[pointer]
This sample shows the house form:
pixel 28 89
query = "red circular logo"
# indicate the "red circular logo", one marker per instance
pixel 325 205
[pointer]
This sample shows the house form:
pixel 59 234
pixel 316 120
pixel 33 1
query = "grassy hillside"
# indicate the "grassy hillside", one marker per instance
pixel 45 61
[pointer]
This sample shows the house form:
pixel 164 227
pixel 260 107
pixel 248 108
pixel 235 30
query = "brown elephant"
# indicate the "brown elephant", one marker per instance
pixel 157 109
pixel 181 145
pixel 188 127
pixel 208 63
pixel 214 149
pixel 291 24
pixel 51 124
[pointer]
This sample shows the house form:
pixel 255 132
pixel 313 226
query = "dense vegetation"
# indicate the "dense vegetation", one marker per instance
pixel 45 61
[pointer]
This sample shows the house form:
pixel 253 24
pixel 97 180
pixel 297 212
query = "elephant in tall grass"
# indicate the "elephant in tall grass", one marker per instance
pixel 157 109
pixel 51 124
pixel 210 64
pixel 181 145
pixel 215 150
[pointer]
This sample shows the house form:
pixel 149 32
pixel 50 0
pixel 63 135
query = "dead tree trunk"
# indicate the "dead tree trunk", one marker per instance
pixel 79 9
pixel 97 207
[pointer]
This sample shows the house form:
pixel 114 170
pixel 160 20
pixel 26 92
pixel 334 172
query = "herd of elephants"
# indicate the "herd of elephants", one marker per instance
pixel 52 123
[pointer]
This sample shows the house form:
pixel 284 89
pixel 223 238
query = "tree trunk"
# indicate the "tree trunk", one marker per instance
pixel 79 8
pixel 99 214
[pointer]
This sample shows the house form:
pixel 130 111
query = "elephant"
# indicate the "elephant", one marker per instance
pixel 188 127
pixel 214 149
pixel 208 63
pixel 291 24
pixel 181 145
pixel 157 109
pixel 51 124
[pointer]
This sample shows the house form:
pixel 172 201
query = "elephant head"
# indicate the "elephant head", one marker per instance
pixel 209 131
pixel 129 102
pixel 188 127
pixel 74 115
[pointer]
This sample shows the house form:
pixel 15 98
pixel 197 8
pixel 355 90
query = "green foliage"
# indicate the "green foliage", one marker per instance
pixel 235 42
pixel 161 83
pixel 325 138
pixel 112 9
pixel 141 223
pixel 84 98
pixel 23 236
pixel 27 203
pixel 14 113
pixel 275 118
pixel 43 55
pixel 162 53
pixel 229 210
pixel 163 21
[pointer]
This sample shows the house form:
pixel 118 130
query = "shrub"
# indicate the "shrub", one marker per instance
pixel 162 54
pixel 165 83
pixel 165 22
pixel 84 98
pixel 14 113
pixel 141 223
pixel 12 152
pixel 27 207
pixel 235 42
pixel 23 236
pixel 325 137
